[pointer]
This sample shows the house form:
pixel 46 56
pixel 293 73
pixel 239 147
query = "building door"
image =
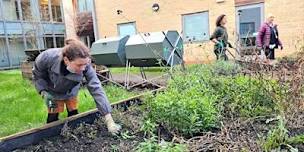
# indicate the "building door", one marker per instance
pixel 249 19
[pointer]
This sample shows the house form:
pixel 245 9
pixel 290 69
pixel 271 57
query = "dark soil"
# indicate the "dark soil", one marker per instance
pixel 241 134
pixel 95 137
pixel 234 134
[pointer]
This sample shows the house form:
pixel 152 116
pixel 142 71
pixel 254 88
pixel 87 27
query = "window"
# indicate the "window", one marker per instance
pixel 16 49
pixel 90 5
pixel 44 10
pixel 88 40
pixel 1 29
pixel 10 9
pixel 126 29
pixel 31 32
pixel 1 14
pixel 31 42
pixel 85 5
pixel 13 28
pixel 196 27
pixel 247 28
pixel 56 11
pixel 58 28
pixel 3 54
pixel 82 6
pixel 26 10
pixel 47 28
pixel 48 41
pixel 31 29
pixel 59 41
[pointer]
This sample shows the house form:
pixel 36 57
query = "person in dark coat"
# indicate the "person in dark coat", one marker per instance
pixel 220 38
pixel 268 38
pixel 58 73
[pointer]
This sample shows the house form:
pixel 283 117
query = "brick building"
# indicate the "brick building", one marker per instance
pixel 195 19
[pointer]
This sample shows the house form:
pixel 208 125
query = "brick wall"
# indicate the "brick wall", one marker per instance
pixel 168 17
pixel 289 17
pixel 246 2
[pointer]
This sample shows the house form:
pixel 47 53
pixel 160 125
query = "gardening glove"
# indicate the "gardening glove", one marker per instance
pixel 113 128
pixel 49 100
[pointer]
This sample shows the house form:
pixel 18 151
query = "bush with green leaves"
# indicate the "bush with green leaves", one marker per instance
pixel 225 68
pixel 187 112
pixel 195 100
pixel 186 106
pixel 236 94
pixel 247 97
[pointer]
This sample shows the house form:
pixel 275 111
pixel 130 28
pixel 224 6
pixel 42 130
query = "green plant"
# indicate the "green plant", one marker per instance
pixel 126 135
pixel 296 140
pixel 151 145
pixel 148 128
pixel 278 137
pixel 114 148
pixel 247 97
pixel 195 100
pixel 186 106
pixel 186 112
pixel 226 68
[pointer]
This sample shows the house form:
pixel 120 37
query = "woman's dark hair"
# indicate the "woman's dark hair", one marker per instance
pixel 219 20
pixel 75 49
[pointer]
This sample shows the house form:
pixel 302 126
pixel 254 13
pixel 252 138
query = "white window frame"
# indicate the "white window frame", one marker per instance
pixel 184 25
pixel 123 24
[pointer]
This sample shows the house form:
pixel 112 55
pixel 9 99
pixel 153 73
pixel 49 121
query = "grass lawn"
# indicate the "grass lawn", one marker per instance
pixel 21 107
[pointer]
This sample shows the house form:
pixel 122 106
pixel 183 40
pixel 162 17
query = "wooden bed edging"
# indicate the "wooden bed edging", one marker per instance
pixel 35 135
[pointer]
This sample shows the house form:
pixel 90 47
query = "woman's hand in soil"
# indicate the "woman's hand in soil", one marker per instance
pixel 113 128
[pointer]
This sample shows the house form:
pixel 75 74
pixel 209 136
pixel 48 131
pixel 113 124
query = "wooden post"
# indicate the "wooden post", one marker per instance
pixel 26 69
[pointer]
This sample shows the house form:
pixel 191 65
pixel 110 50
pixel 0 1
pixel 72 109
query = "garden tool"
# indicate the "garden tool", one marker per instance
pixel 49 100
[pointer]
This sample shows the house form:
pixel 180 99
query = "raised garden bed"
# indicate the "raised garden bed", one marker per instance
pixel 214 107
pixel 35 135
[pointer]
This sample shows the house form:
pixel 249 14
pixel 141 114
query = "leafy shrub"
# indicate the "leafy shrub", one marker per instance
pixel 195 100
pixel 247 97
pixel 226 68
